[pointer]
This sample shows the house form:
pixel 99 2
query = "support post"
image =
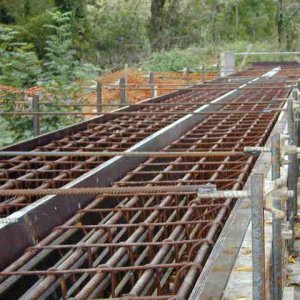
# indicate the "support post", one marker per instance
pixel 203 73
pixel 152 84
pixel 99 97
pixel 36 117
pixel 188 79
pixel 126 74
pixel 277 243
pixel 295 94
pixel 258 243
pixel 292 173
pixel 227 63
pixel 123 94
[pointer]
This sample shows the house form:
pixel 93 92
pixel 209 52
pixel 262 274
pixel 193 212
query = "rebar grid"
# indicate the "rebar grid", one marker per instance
pixel 119 134
pixel 150 246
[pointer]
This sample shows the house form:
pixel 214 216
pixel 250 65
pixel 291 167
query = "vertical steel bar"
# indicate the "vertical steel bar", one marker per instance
pixel 258 243
pixel 203 73
pixel 292 173
pixel 126 74
pixel 275 156
pixel 99 97
pixel 295 94
pixel 187 74
pixel 36 117
pixel 152 84
pixel 276 223
pixel 123 95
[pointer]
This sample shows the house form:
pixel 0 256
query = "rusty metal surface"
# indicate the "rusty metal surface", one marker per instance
pixel 107 133
pixel 151 246
pixel 214 276
pixel 36 220
pixel 145 246
pixel 117 134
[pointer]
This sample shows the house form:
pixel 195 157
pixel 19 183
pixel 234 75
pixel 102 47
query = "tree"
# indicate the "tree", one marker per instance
pixel 156 21
pixel 64 76
pixel 78 7
pixel 19 65
pixel 287 21
pixel 280 20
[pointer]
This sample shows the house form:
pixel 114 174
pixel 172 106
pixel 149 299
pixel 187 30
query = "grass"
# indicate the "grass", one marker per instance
pixel 193 57
pixel 6 137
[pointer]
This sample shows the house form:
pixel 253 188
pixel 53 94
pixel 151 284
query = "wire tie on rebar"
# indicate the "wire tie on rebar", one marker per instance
pixel 13 183
pixel 179 273
pixel 102 268
pixel 226 206
pixel 120 206
pixel 168 241
pixel 195 201
pixel 218 223
pixel 53 270
pixel 124 296
pixel 200 243
pixel 51 164
pixel 81 245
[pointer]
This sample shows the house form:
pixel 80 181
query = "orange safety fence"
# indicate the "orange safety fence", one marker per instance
pixel 138 87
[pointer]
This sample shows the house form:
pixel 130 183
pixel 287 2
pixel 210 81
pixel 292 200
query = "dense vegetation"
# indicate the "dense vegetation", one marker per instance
pixel 110 33
pixel 57 42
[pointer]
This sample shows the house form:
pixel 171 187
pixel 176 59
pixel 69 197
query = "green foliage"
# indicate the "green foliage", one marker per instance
pixel 59 79
pixel 61 64
pixel 62 71
pixel 17 11
pixel 19 65
pixel 53 42
pixel 194 56
pixel 174 60
pixel 6 134
pixel 78 7
pixel 117 36
pixel 15 127
pixel 33 31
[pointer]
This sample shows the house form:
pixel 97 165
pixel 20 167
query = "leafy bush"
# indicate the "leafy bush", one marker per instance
pixel 33 31
pixel 64 76
pixel 173 60
pixel 19 65
pixel 117 37
pixel 62 79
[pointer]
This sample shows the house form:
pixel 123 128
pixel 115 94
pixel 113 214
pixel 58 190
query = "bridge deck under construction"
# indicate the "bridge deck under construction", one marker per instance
pixel 151 245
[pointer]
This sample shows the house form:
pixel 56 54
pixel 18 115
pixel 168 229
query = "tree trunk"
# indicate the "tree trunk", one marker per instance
pixel 280 21
pixel 156 22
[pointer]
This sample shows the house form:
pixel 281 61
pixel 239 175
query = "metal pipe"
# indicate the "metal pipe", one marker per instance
pixel 138 104
pixel 267 53
pixel 276 223
pixel 99 97
pixel 258 243
pixel 36 116
pixel 121 153
pixel 152 84
pixel 292 172
pixel 138 113
pixel 123 91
